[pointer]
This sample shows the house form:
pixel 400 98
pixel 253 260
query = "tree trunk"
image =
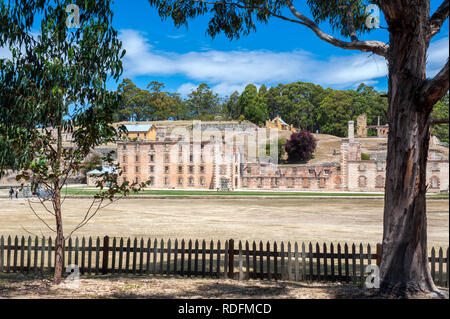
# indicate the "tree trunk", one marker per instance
pixel 57 209
pixel 404 264
pixel 59 238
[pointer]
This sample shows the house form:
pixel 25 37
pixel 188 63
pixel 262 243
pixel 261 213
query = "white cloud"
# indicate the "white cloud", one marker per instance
pixel 175 37
pixel 221 88
pixel 228 89
pixel 186 88
pixel 227 71
pixel 5 53
pixel 437 56
pixel 348 70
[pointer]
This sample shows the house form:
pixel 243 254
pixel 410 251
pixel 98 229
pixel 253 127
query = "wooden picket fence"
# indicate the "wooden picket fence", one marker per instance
pixel 242 261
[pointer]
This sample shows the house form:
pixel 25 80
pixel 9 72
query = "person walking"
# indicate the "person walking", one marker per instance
pixel 11 192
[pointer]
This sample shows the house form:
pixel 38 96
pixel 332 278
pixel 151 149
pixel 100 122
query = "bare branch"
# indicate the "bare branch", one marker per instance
pixel 376 47
pixel 433 90
pixel 39 217
pixel 439 121
pixel 45 206
pixel 112 201
pixel 28 231
pixel 65 196
pixel 42 202
pixel 86 218
pixel 438 18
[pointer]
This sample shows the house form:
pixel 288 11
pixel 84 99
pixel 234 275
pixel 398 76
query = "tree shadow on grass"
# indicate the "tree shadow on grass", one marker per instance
pixel 233 289
pixel 15 285
pixel 170 287
pixel 213 290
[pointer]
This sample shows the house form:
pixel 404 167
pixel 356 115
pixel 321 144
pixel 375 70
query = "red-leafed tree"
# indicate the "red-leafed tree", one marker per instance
pixel 300 146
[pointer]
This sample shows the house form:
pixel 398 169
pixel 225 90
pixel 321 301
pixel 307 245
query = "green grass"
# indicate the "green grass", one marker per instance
pixel 184 193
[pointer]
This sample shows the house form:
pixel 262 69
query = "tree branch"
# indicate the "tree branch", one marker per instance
pixel 439 121
pixel 350 23
pixel 40 218
pixel 438 18
pixel 87 218
pixel 376 47
pixel 28 231
pixel 42 201
pixel 434 89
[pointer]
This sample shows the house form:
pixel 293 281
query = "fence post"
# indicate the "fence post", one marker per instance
pixel 379 252
pixel 231 259
pixel 105 255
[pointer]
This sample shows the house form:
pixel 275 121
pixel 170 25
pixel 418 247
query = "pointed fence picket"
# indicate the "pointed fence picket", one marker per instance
pixel 198 258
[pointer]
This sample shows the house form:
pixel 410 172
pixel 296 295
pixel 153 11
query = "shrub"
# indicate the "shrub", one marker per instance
pixel 300 146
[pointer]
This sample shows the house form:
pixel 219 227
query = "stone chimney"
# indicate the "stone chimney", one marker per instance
pixel 351 131
pixel 350 151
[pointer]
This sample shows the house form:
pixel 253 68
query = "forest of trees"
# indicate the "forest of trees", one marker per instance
pixel 305 105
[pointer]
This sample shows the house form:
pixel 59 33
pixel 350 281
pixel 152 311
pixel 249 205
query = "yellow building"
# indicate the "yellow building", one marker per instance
pixel 141 132
pixel 279 124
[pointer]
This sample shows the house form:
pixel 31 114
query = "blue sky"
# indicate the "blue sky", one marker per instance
pixel 279 52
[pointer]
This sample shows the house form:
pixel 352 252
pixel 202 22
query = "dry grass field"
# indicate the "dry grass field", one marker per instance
pixel 294 219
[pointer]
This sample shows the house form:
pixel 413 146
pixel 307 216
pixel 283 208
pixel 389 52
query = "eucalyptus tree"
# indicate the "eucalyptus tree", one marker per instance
pixel 253 105
pixel 203 104
pixel 134 105
pixel 231 106
pixel 52 85
pixel 411 97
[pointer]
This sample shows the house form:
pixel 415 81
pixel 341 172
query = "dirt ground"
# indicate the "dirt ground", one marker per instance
pixel 113 287
pixel 299 219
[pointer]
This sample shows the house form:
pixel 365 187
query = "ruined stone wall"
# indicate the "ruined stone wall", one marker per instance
pixel 369 176
pixel 299 177
pixel 366 176
pixel 437 176
pixel 383 131
pixel 361 126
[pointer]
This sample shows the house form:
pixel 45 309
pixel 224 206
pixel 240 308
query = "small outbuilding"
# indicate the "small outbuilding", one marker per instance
pixel 93 176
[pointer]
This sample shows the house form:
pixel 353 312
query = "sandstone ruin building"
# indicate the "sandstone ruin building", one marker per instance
pixel 160 153
pixel 173 163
